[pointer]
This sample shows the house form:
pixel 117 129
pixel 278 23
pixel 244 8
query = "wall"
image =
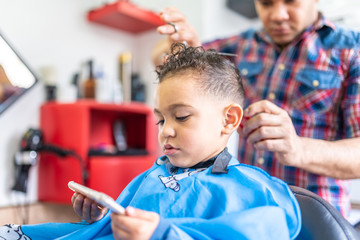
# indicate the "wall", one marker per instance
pixel 218 21
pixel 57 34
pixel 341 13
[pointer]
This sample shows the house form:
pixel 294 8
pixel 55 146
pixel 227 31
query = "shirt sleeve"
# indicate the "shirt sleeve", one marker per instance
pixel 226 45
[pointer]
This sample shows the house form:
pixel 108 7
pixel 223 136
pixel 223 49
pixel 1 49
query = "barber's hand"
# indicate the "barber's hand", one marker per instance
pixel 135 224
pixel 87 209
pixel 181 30
pixel 270 128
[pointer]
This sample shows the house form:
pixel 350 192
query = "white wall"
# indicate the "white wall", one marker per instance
pixel 50 33
pixel 345 13
pixel 218 21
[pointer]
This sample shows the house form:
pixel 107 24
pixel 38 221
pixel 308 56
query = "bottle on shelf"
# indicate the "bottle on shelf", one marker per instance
pixel 90 83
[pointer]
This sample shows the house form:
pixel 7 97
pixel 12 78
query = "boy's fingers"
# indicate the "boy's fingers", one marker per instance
pixel 138 213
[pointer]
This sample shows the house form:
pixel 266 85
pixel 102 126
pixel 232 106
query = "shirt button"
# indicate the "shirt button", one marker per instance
pixel 244 72
pixel 261 161
pixel 281 66
pixel 272 96
pixel 315 83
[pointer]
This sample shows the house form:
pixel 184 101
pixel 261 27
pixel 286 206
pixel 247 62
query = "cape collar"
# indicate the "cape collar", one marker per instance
pixel 219 163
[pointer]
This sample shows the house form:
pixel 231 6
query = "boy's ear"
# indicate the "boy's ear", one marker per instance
pixel 232 118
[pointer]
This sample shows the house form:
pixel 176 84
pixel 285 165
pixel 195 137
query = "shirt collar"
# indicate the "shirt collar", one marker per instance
pixel 322 22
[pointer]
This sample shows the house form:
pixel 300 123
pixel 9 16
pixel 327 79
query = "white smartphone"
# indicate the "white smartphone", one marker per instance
pixel 99 197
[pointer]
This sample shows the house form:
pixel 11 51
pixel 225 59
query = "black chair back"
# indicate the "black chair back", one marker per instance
pixel 320 220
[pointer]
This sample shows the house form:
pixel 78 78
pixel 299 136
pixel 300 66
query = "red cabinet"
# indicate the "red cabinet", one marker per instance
pixel 86 128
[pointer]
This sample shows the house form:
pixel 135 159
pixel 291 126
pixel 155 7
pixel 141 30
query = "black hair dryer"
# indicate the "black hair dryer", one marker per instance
pixel 31 144
pixel 26 157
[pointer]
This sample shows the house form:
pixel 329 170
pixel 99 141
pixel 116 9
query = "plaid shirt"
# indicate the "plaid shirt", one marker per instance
pixel 316 79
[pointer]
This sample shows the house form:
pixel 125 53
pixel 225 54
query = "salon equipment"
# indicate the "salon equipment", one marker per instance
pixel 31 144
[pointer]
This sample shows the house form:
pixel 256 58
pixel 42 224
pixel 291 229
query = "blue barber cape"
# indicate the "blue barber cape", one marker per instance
pixel 243 202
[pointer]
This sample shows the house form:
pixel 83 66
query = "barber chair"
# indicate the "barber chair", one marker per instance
pixel 320 220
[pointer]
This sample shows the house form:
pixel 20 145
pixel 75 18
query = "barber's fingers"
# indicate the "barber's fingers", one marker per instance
pixel 273 145
pixel 262 106
pixel 172 14
pixel 167 29
pixel 173 19
pixel 178 28
pixel 260 120
pixel 263 138
pixel 270 131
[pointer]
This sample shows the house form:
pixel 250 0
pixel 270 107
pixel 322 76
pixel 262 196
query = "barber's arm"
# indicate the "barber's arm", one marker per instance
pixel 270 128
pixel 178 29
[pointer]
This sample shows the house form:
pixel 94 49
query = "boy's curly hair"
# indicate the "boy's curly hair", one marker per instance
pixel 217 75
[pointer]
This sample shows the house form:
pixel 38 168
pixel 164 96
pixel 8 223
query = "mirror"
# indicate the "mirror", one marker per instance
pixel 15 76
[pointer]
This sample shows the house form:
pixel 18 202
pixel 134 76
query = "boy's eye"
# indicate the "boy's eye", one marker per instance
pixel 182 118
pixel 160 122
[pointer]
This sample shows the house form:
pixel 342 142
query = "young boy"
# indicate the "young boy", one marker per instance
pixel 197 190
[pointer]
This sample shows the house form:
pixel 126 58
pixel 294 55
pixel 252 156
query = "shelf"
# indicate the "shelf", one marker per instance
pixel 125 16
pixel 87 128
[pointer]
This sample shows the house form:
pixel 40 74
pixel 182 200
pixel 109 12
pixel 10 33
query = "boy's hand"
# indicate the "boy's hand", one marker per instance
pixel 87 209
pixel 135 224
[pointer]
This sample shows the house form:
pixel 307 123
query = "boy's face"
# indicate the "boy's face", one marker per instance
pixel 189 122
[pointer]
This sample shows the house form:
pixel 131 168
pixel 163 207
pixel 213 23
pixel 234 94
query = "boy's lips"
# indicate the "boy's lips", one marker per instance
pixel 170 150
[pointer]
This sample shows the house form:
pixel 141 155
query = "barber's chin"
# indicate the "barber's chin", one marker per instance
pixel 282 42
pixel 282 39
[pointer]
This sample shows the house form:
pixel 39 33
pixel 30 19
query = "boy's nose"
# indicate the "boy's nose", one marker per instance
pixel 167 130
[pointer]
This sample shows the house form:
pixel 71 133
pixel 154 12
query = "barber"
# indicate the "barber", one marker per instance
pixel 302 85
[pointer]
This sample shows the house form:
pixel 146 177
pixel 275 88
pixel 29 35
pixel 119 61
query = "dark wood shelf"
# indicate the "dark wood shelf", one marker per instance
pixel 125 16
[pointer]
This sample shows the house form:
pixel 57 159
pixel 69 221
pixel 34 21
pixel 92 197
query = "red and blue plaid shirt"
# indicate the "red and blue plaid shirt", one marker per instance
pixel 316 79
